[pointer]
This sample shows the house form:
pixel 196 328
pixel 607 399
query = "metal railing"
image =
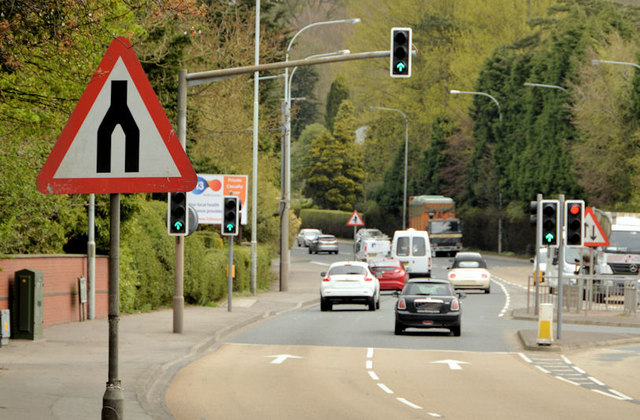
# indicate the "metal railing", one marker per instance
pixel 588 293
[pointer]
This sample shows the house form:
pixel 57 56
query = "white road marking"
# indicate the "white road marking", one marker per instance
pixel 507 300
pixel 567 361
pixel 369 353
pixel 373 375
pixel 543 370
pixel 567 380
pixel 410 404
pixel 596 381
pixel 524 357
pixel 385 388
pixel 320 263
pixel 279 358
pixel 606 394
pixel 453 364
pixel 369 364
pixel 620 394
pixel 579 370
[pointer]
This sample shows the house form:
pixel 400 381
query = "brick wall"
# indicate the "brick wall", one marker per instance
pixel 61 300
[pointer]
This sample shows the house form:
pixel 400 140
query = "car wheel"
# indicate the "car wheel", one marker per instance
pixel 372 304
pixel 487 290
pixel 399 328
pixel 378 303
pixel 309 250
pixel 325 305
pixel 456 330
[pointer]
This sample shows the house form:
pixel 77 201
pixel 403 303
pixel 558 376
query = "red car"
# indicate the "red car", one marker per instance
pixel 390 273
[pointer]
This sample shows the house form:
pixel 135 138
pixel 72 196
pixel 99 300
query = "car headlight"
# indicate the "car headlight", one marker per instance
pixel 605 269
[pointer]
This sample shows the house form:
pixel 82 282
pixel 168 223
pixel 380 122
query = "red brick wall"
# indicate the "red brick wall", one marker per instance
pixel 61 291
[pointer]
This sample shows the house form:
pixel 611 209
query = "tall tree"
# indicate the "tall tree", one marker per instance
pixel 338 92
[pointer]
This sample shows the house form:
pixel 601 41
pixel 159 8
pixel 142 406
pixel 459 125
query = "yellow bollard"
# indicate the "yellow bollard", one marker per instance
pixel 545 324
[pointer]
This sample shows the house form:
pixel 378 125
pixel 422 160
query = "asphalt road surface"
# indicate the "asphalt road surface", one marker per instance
pixel 348 364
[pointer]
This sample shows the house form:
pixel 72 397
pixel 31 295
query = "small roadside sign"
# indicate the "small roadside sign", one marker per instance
pixel 118 138
pixel 594 236
pixel 355 219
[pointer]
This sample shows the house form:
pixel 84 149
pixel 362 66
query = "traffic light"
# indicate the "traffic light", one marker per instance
pixel 400 63
pixel 178 216
pixel 574 217
pixel 533 213
pixel 230 216
pixel 549 222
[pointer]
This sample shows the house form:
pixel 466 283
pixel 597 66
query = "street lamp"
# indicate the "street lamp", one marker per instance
pixel 622 63
pixel 461 92
pixel 546 86
pixel 286 163
pixel 406 157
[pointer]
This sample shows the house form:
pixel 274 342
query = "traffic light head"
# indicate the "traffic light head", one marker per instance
pixel 400 62
pixel 533 213
pixel 230 216
pixel 177 219
pixel 574 216
pixel 549 222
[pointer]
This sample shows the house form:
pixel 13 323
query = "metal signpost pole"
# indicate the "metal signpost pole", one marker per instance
pixel 113 399
pixel 560 263
pixel 91 261
pixel 178 276
pixel 537 276
pixel 230 274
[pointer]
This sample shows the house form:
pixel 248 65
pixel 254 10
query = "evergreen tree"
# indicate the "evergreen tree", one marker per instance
pixel 337 93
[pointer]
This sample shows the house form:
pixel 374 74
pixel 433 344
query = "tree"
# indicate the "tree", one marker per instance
pixel 304 112
pixel 338 92
pixel 334 179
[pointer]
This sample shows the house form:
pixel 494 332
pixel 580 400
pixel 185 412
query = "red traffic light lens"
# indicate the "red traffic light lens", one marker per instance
pixel 574 209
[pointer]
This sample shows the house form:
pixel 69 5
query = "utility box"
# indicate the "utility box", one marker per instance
pixel 28 311
pixel 5 327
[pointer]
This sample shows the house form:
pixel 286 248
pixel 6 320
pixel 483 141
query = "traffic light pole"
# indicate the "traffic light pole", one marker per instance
pixel 230 274
pixel 561 241
pixel 537 276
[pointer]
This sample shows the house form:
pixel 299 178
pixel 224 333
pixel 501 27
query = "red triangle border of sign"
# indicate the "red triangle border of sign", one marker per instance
pixel 588 210
pixel 47 184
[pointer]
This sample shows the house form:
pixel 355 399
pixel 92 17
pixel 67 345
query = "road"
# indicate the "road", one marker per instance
pixel 347 363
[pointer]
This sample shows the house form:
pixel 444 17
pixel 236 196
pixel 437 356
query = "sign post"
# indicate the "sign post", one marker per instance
pixel 117 140
pixel 355 220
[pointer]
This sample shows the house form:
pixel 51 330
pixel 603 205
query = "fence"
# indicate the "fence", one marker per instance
pixel 588 294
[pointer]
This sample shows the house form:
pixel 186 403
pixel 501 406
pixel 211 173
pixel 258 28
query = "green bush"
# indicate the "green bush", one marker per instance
pixel 328 221
pixel 147 256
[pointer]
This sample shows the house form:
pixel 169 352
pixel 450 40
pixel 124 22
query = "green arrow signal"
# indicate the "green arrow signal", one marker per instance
pixel 549 237
pixel 229 227
pixel 400 66
pixel 178 225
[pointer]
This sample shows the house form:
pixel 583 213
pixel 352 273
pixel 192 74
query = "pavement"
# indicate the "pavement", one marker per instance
pixel 64 375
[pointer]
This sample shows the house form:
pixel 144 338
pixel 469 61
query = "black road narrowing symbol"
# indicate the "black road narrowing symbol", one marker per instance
pixel 118 114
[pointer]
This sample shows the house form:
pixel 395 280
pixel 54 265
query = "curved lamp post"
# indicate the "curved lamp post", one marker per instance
pixel 546 86
pixel 406 157
pixel 286 159
pixel 462 92
pixel 621 63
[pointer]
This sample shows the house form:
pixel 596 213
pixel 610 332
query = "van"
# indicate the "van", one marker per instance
pixel 373 248
pixel 413 249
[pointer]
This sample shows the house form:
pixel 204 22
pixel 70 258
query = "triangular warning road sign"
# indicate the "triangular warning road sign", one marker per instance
pixel 355 219
pixel 118 138
pixel 593 233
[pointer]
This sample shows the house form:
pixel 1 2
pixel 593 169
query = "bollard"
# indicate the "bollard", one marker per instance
pixel 545 324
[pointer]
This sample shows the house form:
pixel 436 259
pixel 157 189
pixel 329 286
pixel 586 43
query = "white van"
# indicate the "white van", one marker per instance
pixel 373 248
pixel 413 249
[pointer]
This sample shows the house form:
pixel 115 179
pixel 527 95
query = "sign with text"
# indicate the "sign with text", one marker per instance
pixel 208 196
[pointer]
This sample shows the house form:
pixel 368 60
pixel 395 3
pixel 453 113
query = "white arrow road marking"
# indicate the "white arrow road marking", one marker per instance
pixel 453 364
pixel 279 358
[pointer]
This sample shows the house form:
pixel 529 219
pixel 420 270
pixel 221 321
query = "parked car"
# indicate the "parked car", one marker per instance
pixel 390 273
pixel 349 282
pixel 323 243
pixel 306 235
pixel 469 271
pixel 429 303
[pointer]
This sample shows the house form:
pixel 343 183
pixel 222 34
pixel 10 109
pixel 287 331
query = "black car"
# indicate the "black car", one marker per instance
pixel 429 303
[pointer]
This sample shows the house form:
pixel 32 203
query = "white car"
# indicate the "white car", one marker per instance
pixel 469 271
pixel 305 236
pixel 349 282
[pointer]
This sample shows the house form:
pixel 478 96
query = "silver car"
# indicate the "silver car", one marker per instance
pixel 306 236
pixel 324 243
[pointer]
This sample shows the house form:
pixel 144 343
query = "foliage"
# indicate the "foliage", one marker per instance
pixel 338 92
pixel 334 178
pixel 332 222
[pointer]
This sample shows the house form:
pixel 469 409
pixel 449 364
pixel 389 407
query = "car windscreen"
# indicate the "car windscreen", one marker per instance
pixel 427 289
pixel 346 269
pixel 469 264
pixel 624 241
pixel 445 227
